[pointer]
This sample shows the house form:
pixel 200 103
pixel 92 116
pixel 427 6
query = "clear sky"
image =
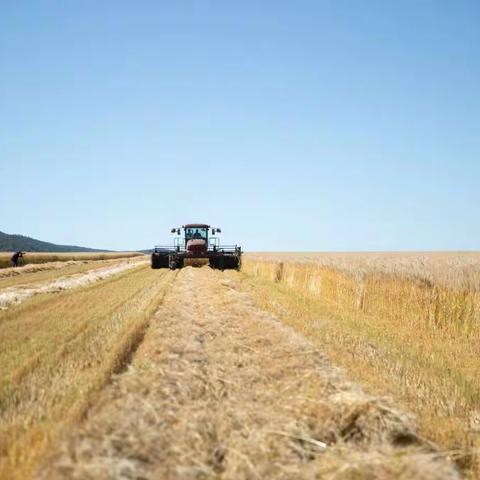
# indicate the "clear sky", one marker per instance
pixel 293 125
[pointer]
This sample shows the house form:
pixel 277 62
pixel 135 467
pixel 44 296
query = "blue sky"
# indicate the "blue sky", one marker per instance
pixel 293 125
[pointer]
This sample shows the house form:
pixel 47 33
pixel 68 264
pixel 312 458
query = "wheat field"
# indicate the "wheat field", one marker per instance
pixel 109 369
pixel 405 324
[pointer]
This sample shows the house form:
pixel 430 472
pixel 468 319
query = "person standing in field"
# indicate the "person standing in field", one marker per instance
pixel 15 257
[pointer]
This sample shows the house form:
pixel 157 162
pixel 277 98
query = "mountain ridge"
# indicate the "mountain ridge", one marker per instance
pixel 15 242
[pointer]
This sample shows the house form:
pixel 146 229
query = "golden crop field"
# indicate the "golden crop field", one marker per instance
pixel 110 369
pixel 36 257
pixel 405 324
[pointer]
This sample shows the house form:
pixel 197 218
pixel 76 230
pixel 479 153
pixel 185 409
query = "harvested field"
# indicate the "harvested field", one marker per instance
pixel 220 389
pixel 197 373
pixel 38 273
pixel 57 351
pixel 39 258
pixel 19 293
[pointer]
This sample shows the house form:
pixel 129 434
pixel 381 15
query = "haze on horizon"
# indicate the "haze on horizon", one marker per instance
pixel 308 126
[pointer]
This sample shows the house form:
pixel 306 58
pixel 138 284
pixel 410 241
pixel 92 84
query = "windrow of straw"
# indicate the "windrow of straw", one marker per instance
pixel 34 257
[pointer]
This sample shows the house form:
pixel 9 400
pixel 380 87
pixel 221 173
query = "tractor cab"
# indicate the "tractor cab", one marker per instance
pixel 196 232
pixel 196 238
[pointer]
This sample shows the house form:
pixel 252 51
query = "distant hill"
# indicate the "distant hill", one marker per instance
pixel 13 243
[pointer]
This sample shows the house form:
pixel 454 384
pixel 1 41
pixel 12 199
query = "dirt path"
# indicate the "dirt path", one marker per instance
pixel 220 389
pixel 19 293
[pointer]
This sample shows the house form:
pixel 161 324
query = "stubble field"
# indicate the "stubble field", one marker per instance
pixel 112 370
pixel 40 258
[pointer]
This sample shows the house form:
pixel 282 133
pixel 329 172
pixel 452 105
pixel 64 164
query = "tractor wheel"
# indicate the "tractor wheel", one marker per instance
pixel 217 263
pixel 232 263
pixel 159 261
pixel 175 262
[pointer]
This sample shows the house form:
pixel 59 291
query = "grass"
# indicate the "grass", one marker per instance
pixel 58 351
pixel 402 324
pixel 34 257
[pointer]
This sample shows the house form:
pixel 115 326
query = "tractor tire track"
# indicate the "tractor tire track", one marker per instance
pixel 221 389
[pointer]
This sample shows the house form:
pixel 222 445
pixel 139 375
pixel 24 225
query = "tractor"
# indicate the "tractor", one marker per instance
pixel 198 241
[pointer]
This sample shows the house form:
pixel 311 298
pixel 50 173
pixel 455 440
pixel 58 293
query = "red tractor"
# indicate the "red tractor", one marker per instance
pixel 198 241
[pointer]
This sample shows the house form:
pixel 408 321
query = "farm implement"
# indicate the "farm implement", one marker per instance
pixel 198 241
